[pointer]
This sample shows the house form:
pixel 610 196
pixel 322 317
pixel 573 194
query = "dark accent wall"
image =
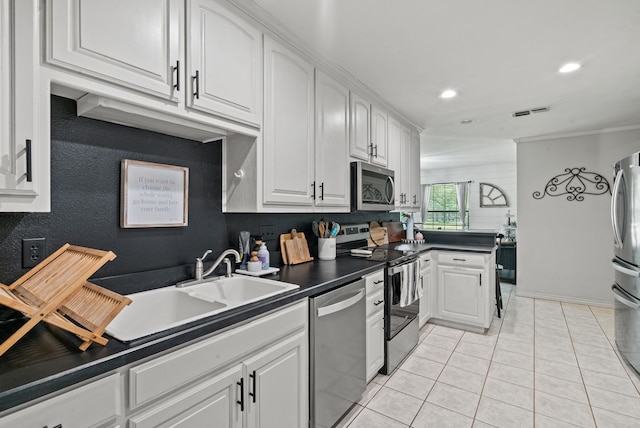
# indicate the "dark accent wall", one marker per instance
pixel 85 206
pixel 85 199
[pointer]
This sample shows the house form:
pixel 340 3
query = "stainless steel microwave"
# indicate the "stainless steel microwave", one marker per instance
pixel 372 187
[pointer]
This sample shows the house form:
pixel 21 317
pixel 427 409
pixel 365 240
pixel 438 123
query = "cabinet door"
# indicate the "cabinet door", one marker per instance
pixel 426 301
pixel 461 294
pixel 277 385
pixel 394 156
pixel 332 142
pixel 225 52
pixel 24 152
pixel 416 189
pixel 213 400
pixel 137 44
pixel 288 166
pixel 375 344
pixel 99 403
pixel 360 138
pixel 379 136
pixel 405 168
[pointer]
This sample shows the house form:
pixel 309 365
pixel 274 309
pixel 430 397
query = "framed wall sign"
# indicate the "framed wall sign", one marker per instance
pixel 153 195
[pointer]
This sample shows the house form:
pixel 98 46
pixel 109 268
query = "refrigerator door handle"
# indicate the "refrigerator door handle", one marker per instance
pixel 621 297
pixel 630 272
pixel 617 241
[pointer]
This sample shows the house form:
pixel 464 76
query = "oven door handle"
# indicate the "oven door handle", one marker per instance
pixel 623 297
pixel 343 304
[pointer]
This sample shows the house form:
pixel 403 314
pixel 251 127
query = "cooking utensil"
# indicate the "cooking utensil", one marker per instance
pixel 321 229
pixel 335 229
pixel 315 228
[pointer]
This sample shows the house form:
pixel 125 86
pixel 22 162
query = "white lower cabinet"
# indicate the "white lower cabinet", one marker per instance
pixel 460 294
pixel 213 400
pixel 276 393
pixel 99 403
pixel 255 375
pixel 465 288
pixel 264 391
pixel 426 301
pixel 375 323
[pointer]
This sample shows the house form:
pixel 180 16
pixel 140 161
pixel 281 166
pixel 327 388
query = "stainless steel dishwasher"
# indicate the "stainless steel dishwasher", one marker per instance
pixel 337 350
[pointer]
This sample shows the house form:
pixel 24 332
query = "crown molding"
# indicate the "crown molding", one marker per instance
pixel 577 134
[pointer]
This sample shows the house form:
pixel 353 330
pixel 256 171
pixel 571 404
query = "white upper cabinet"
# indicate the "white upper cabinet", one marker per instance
pixel 416 188
pixel 395 160
pixel 379 136
pixel 360 140
pixel 24 143
pixel 136 44
pixel 332 141
pixel 288 166
pixel 404 159
pixel 224 57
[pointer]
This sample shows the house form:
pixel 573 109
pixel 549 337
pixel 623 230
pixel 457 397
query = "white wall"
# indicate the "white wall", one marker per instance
pixel 502 175
pixel 565 247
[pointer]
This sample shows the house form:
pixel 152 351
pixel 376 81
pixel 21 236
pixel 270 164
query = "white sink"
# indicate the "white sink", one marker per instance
pixel 164 308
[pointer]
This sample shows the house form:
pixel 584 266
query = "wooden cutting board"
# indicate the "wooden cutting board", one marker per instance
pixel 378 236
pixel 294 248
pixel 395 230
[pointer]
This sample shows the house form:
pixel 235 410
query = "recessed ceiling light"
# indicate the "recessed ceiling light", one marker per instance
pixel 449 93
pixel 466 121
pixel 569 67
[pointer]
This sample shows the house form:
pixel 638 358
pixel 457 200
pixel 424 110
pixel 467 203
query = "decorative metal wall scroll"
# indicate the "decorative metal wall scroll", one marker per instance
pixel 575 183
pixel 492 196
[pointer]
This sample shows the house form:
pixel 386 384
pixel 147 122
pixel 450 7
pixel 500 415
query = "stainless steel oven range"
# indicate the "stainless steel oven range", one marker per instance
pixel 402 290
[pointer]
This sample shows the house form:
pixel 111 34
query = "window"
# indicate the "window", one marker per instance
pixel 442 211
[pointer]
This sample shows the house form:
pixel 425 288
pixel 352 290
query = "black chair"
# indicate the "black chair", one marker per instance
pixel 499 268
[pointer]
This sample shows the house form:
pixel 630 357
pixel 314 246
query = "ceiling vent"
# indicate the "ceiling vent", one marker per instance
pixel 528 112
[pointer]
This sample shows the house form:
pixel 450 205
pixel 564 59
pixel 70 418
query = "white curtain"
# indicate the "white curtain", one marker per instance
pixel 426 194
pixel 462 189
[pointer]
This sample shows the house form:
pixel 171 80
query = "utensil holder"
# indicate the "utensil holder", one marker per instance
pixel 326 248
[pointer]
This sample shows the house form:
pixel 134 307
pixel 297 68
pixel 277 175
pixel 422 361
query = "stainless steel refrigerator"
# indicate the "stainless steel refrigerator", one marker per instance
pixel 625 219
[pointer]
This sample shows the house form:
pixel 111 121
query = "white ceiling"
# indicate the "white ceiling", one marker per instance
pixel 500 55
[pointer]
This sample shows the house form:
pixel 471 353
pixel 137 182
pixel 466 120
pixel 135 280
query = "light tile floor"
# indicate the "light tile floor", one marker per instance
pixel 543 364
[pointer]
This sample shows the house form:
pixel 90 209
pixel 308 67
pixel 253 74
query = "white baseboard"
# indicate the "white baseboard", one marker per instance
pixel 565 299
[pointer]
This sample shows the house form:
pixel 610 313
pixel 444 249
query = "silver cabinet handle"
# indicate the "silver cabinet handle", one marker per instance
pixel 343 304
pixel 620 297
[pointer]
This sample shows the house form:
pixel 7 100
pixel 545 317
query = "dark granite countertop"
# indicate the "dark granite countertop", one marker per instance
pixel 47 359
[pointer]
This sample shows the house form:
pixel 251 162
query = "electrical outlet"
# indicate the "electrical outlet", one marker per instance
pixel 33 251
pixel 268 232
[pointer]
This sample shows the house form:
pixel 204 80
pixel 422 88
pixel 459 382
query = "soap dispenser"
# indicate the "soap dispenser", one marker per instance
pixel 263 255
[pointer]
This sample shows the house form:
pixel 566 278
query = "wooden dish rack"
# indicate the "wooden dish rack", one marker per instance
pixel 56 291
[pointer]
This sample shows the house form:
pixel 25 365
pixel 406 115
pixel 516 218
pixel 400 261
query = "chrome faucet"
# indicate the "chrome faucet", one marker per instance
pixel 200 275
